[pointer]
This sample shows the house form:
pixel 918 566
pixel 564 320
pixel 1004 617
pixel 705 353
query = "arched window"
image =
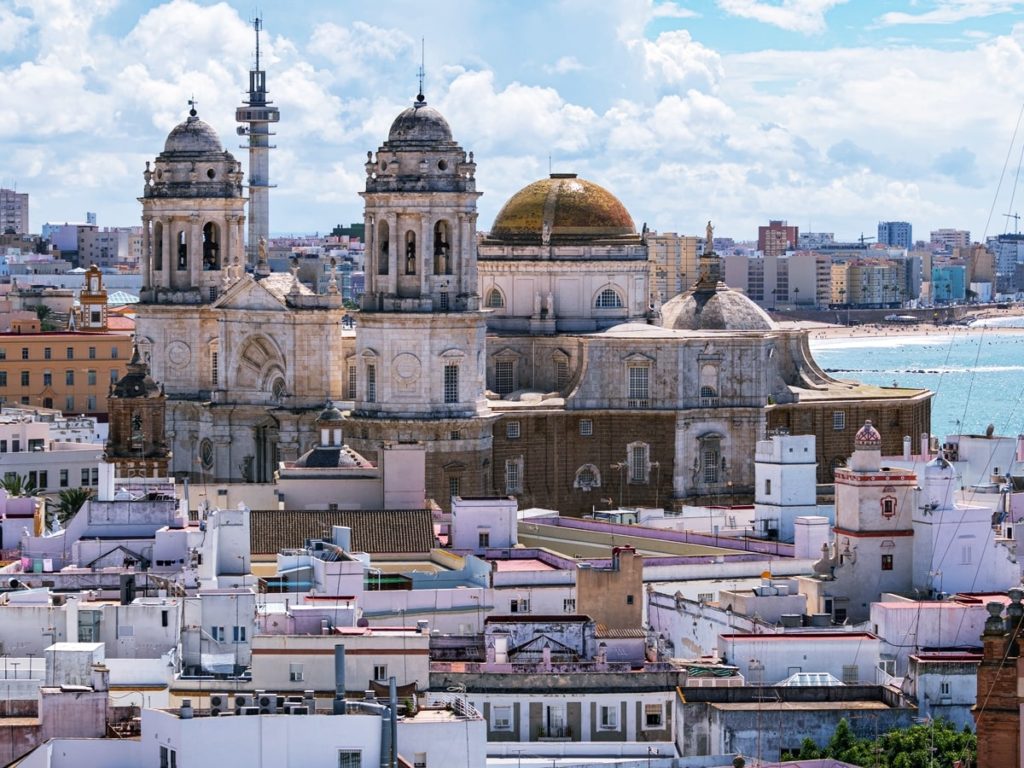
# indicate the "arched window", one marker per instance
pixel 588 477
pixel 442 249
pixel 608 299
pixel 383 255
pixel 211 246
pixel 495 300
pixel 410 253
pixel 182 251
pixel 158 246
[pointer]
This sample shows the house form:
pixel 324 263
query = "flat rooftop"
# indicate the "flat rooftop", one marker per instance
pixel 526 564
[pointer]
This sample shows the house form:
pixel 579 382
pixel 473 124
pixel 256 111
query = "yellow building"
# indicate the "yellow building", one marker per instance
pixel 673 262
pixel 69 370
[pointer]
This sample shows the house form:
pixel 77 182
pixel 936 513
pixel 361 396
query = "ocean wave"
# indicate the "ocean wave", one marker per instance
pixel 881 342
pixel 998 322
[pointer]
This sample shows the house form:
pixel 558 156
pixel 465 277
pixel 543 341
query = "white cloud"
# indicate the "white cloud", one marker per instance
pixel 13 30
pixel 950 12
pixel 520 115
pixel 565 65
pixel 358 52
pixel 670 10
pixel 675 59
pixel 806 16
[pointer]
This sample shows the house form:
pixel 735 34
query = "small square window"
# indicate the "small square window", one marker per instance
pixel 501 718
pixel 586 427
pixel 483 539
pixel 886 562
pixel 512 430
pixel 24 353
pixel 92 353
pixel 839 420
pixel 380 672
pixel 653 716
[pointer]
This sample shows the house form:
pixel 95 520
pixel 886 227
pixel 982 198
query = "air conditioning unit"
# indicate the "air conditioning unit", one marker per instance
pixel 267 704
pixel 242 700
pixel 220 704
pixel 298 709
pixel 249 711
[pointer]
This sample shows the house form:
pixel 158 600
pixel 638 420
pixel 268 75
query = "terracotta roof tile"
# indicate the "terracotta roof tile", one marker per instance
pixel 389 531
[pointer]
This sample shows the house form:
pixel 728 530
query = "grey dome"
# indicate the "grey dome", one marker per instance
pixel 721 309
pixel 329 415
pixel 193 137
pixel 421 124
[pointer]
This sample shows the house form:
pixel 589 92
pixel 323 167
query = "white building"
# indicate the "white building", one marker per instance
pixel 480 523
pixel 785 483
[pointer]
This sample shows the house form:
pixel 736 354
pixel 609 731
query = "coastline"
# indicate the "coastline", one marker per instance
pixel 832 331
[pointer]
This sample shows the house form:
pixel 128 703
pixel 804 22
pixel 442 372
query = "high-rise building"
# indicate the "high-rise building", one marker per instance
pixel 673 262
pixel 945 240
pixel 777 238
pixel 898 234
pixel 13 212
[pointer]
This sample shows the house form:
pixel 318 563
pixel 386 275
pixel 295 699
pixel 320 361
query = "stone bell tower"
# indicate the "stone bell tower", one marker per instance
pixel 193 212
pixel 420 343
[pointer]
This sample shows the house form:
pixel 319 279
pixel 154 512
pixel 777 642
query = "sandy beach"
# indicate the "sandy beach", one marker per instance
pixel 824 330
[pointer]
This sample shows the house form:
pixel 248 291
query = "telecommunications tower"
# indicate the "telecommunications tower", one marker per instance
pixel 256 115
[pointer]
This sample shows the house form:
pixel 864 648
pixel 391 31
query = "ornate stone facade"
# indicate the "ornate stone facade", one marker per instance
pixel 247 359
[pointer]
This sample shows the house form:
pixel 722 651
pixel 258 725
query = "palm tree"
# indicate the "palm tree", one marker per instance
pixel 70 500
pixel 18 485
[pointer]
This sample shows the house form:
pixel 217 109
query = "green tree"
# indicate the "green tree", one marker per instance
pixel 69 501
pixel 18 485
pixel 44 313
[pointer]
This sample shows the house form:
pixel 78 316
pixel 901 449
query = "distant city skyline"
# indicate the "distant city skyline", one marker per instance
pixel 831 115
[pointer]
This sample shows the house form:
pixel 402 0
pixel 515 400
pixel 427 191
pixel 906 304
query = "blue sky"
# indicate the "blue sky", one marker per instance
pixel 832 114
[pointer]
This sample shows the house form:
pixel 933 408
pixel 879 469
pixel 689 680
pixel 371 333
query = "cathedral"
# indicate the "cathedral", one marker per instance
pixel 528 360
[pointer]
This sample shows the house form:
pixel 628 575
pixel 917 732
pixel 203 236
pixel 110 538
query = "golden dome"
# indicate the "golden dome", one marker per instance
pixel 562 209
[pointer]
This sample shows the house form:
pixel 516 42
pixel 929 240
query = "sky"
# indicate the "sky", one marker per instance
pixel 831 114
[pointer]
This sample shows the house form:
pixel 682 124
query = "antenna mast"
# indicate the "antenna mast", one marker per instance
pixel 254 118
pixel 422 73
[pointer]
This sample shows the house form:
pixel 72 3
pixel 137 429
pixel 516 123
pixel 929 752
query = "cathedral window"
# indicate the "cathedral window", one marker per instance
pixel 383 257
pixel 451 383
pixel 211 246
pixel 158 246
pixel 839 420
pixel 708 397
pixel 587 478
pixel 410 253
pixel 638 462
pixel 586 427
pixel 504 376
pixel 514 475
pixel 443 296
pixel 495 300
pixel 709 464
pixel 608 299
pixel 371 383
pixel 215 365
pixel 638 390
pixel 182 251
pixel 351 382
pixel 206 454
pixel 561 373
pixel 442 249
pixel 512 430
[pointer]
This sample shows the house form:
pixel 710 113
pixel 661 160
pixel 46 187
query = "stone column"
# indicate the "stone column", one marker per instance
pixel 396 243
pixel 227 243
pixel 372 257
pixel 426 253
pixel 459 251
pixel 169 260
pixel 147 256
pixel 195 251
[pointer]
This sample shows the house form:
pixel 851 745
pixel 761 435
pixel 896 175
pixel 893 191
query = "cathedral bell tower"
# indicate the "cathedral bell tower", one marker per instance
pixel 420 343
pixel 193 212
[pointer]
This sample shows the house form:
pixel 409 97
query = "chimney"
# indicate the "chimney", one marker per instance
pixel 1020 447
pixel 339 679
pixel 926 443
pixel 907 447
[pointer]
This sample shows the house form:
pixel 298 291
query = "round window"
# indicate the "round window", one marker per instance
pixel 211 173
pixel 442 165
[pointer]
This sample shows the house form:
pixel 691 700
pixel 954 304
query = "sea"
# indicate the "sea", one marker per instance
pixel 977 375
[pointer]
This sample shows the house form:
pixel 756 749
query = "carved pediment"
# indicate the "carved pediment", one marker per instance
pixel 249 294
